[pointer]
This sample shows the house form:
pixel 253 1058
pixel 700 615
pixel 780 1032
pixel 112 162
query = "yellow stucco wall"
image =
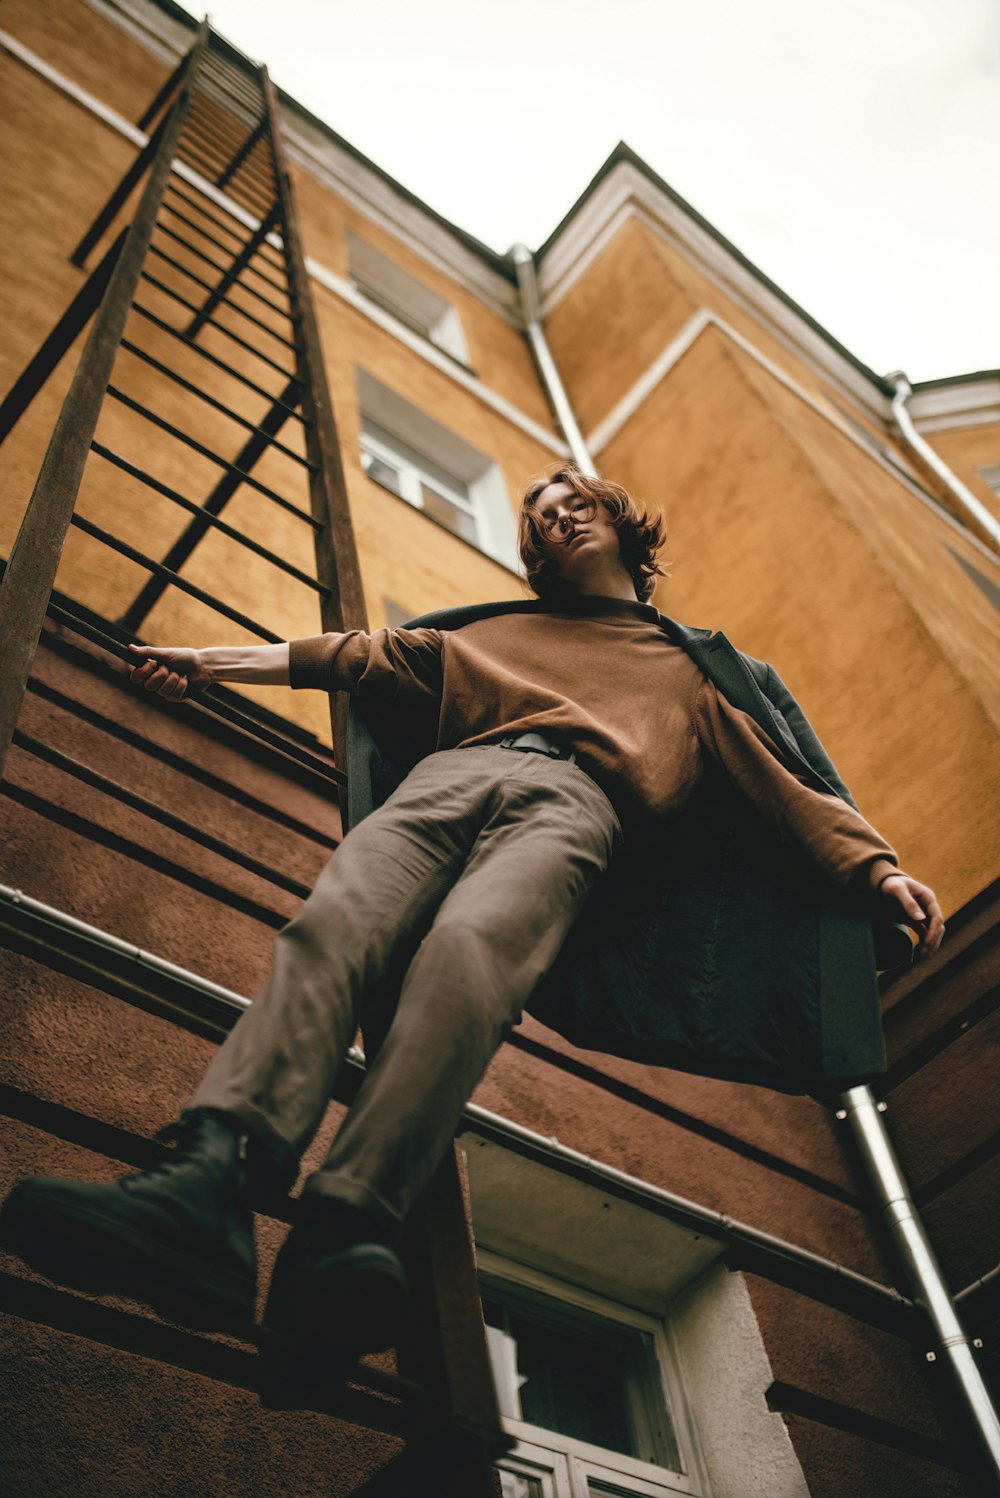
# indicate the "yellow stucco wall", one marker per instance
pixel 967 449
pixel 782 530
pixel 62 170
pixel 808 554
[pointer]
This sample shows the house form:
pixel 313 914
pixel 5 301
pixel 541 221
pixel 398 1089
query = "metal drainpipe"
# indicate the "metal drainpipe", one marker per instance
pixel 923 450
pixel 858 1105
pixel 524 264
pixel 863 1115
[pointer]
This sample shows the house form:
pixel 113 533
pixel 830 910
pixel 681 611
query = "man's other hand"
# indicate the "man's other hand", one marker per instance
pixel 919 907
pixel 169 671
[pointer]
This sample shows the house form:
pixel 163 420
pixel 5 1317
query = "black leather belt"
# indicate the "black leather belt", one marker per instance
pixel 537 743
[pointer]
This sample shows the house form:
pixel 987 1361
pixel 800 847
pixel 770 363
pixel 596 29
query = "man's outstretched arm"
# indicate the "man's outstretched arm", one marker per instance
pixel 173 671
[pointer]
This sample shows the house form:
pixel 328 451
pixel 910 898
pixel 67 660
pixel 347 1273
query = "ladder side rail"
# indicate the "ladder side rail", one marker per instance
pixel 31 569
pixel 449 1351
pixel 337 562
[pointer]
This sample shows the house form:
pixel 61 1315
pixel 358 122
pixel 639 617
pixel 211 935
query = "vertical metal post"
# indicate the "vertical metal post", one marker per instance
pixel 859 1109
pixel 34 560
pixel 336 549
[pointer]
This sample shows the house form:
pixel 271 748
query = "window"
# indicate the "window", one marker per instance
pixel 396 614
pixel 396 465
pixel 581 1384
pixel 990 474
pixel 412 303
pixel 433 469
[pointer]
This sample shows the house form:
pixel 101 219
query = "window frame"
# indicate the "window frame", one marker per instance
pixel 394 431
pixel 413 478
pixel 580 1460
pixel 403 296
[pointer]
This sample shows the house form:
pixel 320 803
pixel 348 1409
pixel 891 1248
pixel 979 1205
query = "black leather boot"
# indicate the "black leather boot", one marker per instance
pixel 178 1236
pixel 339 1289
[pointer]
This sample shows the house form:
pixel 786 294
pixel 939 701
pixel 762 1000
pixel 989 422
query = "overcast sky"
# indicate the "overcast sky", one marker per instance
pixel 851 151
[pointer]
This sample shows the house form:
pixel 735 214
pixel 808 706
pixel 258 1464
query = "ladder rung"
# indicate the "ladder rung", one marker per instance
pixel 206 452
pixel 98 533
pixel 258 198
pixel 226 300
pixel 220 327
pixel 201 513
pixel 217 701
pixel 205 353
pixel 222 209
pixel 226 249
pixel 224 269
pixel 210 400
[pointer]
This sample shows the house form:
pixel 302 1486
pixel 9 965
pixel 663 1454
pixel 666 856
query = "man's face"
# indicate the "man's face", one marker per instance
pixel 577 532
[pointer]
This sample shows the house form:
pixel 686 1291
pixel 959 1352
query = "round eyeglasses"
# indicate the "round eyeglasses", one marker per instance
pixel 560 523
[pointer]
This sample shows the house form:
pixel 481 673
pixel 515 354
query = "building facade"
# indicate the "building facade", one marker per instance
pixel 634 1351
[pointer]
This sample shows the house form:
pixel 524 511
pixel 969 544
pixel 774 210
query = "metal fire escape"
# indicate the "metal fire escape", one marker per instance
pixel 208 284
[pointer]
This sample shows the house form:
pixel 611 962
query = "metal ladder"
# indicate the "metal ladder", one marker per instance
pixel 207 285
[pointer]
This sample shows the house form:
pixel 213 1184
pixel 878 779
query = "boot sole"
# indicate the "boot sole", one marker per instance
pixel 87 1251
pixel 315 1330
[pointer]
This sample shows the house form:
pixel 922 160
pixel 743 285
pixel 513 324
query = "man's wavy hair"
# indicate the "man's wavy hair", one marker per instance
pixel 640 535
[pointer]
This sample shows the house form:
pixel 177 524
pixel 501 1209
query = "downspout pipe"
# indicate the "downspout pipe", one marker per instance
pixel 984 519
pixel 524 264
pixel 858 1106
pixel 864 1117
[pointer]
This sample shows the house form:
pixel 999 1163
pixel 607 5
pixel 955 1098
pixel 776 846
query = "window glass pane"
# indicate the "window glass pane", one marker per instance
pixel 405 314
pixel 382 472
pixel 449 514
pixel 516 1485
pixel 580 1375
pixel 447 481
pixel 573 1387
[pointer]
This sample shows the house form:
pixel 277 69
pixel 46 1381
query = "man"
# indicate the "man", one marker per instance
pixel 533 747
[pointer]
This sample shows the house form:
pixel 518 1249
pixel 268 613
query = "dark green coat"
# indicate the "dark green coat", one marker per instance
pixel 747 967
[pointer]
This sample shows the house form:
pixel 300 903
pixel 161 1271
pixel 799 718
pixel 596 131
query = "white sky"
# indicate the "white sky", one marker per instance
pixel 850 150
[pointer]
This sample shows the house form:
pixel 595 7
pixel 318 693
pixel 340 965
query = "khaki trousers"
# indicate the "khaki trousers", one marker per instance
pixel 487 854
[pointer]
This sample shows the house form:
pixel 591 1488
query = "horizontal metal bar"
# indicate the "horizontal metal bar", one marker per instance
pixel 156 813
pixel 225 134
pixel 210 520
pixel 220 125
pixel 241 85
pixel 210 1002
pixel 221 327
pixel 217 703
pixel 190 151
pixel 190 768
pixel 282 289
pixel 211 195
pixel 226 301
pixel 205 189
pixel 206 452
pixel 210 400
pixel 98 533
pixel 193 249
pixel 204 353
pixel 238 100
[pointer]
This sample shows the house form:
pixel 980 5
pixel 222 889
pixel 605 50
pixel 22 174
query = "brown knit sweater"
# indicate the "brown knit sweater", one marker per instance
pixel 639 714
